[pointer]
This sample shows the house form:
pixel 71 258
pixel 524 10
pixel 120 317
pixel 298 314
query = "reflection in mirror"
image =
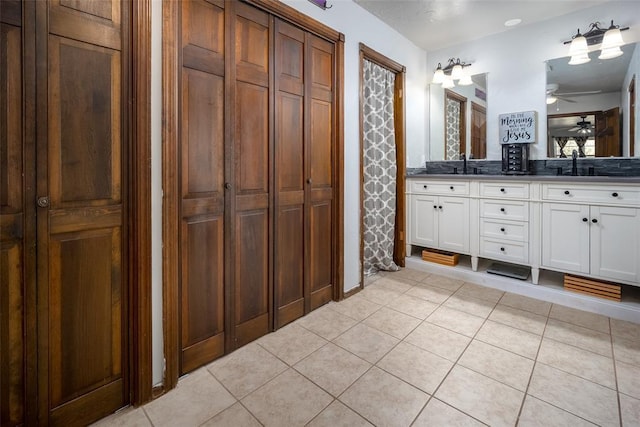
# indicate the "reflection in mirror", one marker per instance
pixel 587 105
pixel 458 120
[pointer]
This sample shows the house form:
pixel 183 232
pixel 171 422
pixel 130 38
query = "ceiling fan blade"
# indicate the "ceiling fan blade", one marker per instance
pixel 586 92
pixel 573 129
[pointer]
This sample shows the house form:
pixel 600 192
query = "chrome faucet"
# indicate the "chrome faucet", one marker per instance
pixel 574 163
pixel 464 163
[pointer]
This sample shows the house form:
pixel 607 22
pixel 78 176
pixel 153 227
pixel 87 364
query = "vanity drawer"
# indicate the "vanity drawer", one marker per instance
pixel 504 209
pixel 506 251
pixel 504 230
pixel 516 190
pixel 440 187
pixel 613 194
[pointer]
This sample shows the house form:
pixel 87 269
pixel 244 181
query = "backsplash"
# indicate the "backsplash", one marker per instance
pixel 601 167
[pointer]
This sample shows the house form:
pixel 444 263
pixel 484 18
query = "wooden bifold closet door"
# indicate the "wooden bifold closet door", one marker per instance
pixel 256 143
pixel 64 292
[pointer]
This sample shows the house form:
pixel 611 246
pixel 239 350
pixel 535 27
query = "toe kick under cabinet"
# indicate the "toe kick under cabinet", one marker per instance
pixel 586 228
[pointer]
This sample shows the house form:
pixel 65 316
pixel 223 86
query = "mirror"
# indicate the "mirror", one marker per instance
pixel 458 120
pixel 591 108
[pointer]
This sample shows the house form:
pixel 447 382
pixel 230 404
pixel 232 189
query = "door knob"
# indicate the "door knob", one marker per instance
pixel 308 180
pixel 43 201
pixel 227 186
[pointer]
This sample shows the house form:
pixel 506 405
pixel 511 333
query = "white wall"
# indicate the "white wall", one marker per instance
pixel 156 192
pixel 514 61
pixel 359 26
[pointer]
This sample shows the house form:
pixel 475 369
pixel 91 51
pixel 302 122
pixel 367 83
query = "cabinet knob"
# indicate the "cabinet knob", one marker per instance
pixel 502 229
pixel 594 220
pixel 424 186
pixel 614 194
pixel 43 201
pixel 502 189
pixel 584 220
pixel 435 207
pixel 440 207
pixel 502 249
pixel 501 209
pixel 567 192
pixel 451 188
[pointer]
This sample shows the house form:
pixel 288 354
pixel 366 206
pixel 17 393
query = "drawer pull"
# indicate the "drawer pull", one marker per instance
pixel 436 207
pixel 451 187
pixel 424 186
pixel 502 229
pixel 584 220
pixel 440 207
pixel 502 189
pixel 595 221
pixel 614 194
pixel 567 192
pixel 502 249
pixel 501 209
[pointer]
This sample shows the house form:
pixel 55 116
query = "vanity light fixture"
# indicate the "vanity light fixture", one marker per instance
pixel 455 70
pixel 610 38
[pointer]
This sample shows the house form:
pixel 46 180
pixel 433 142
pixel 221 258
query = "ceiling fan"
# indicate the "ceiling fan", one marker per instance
pixel 583 126
pixel 553 95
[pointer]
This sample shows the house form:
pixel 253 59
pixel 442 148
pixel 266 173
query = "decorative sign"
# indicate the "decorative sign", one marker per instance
pixel 518 128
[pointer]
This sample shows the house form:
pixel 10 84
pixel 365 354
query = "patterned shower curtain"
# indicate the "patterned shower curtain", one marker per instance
pixel 380 169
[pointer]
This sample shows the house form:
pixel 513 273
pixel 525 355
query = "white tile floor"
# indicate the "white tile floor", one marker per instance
pixel 422 350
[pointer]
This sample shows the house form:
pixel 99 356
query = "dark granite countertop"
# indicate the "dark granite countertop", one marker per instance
pixel 545 178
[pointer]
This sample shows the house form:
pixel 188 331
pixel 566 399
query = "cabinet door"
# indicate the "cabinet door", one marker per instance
pixel 615 243
pixel 565 237
pixel 424 210
pixel 453 224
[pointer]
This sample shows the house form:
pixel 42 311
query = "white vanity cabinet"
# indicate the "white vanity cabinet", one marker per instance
pixel 439 215
pixel 592 230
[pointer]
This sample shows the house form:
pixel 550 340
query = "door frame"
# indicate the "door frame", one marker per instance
pixel 399 247
pixel 632 116
pixel 170 149
pixel 137 216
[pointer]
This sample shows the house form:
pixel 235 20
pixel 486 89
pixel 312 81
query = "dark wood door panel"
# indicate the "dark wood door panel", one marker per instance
pixel 202 134
pixel 85 313
pixel 321 253
pixel 320 144
pixel 252 45
pixel 12 331
pixel 252 271
pixel 289 58
pixel 289 143
pixel 202 291
pixel 252 139
pixel 84 124
pixel 203 36
pixel 95 22
pixel 289 264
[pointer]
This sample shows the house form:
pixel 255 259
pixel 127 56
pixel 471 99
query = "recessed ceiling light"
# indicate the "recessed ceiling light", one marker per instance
pixel 512 22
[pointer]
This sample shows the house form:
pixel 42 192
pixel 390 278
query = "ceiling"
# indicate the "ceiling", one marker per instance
pixel 436 24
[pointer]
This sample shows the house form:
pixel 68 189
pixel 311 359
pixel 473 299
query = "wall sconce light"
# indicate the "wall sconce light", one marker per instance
pixel 610 38
pixel 455 70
